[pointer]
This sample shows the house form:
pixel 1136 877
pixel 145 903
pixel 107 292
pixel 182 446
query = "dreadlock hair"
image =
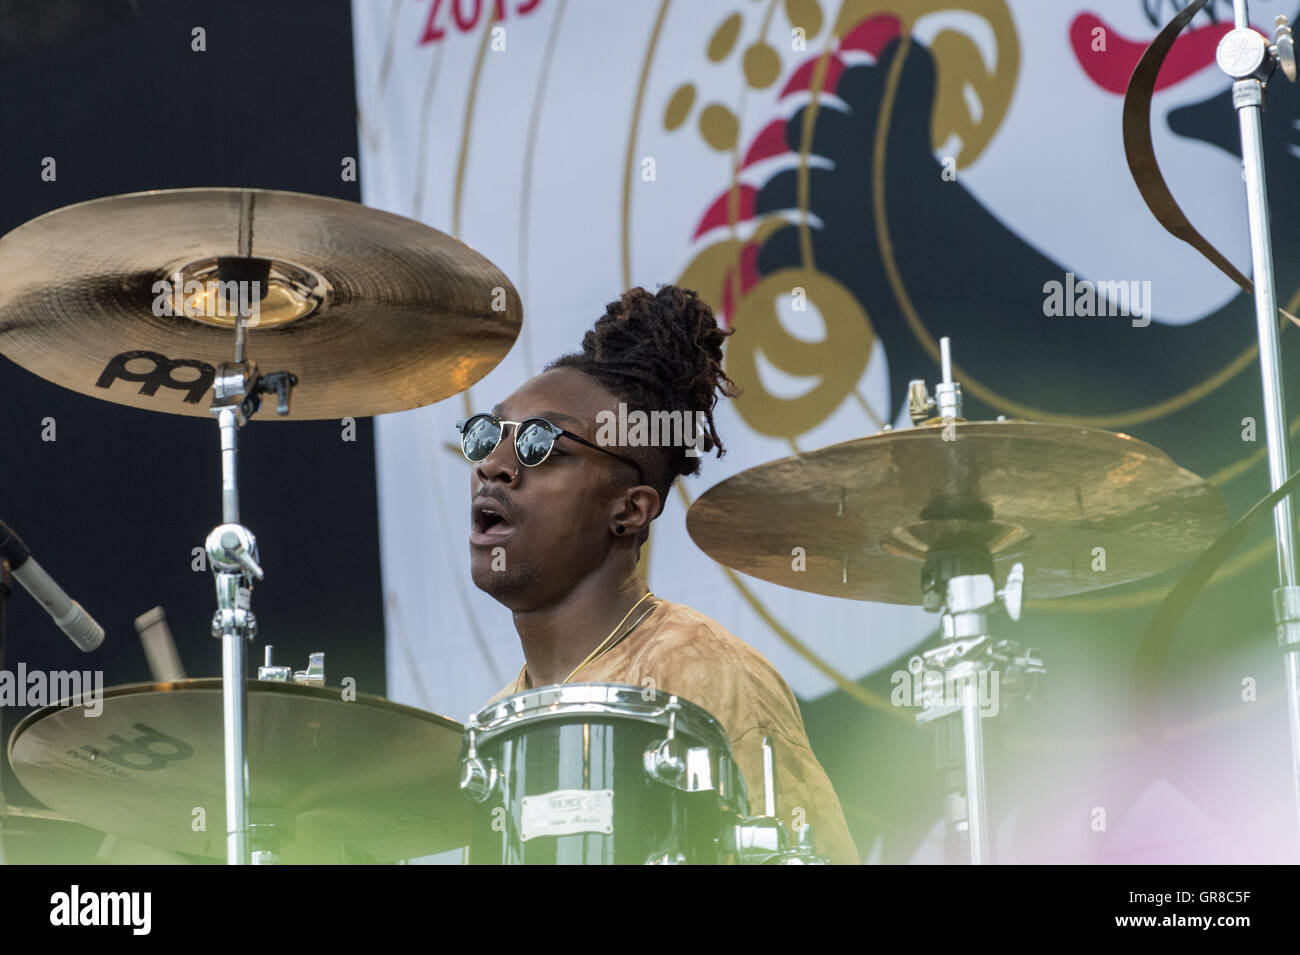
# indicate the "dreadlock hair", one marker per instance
pixel 660 352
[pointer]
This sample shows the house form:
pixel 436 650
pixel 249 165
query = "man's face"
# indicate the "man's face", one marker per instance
pixel 551 525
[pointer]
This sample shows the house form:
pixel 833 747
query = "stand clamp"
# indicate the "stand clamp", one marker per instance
pixel 232 551
pixel 939 670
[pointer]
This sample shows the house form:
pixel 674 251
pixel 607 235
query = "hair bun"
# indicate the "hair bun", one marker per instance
pixel 661 352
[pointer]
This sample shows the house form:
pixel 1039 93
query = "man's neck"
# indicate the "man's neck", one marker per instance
pixel 558 638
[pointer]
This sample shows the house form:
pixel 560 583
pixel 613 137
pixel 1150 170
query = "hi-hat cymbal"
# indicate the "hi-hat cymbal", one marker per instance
pixel 339 779
pixel 371 311
pixel 1082 509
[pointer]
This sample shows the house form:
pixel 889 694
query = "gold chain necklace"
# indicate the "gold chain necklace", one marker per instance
pixel 604 644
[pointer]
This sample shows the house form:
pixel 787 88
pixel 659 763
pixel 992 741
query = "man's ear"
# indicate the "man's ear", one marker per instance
pixel 634 511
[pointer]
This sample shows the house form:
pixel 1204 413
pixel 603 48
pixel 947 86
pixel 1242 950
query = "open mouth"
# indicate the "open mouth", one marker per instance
pixel 490 524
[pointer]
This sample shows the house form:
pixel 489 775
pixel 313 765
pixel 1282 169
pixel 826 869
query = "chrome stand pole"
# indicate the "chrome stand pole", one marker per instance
pixel 234 700
pixel 235 624
pixel 1246 57
pixel 232 552
pixel 973 735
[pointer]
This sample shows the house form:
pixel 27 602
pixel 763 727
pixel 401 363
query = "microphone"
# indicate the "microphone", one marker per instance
pixel 71 617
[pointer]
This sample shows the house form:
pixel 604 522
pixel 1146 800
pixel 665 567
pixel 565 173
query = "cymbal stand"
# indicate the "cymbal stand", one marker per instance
pixel 969 674
pixel 1250 60
pixel 232 553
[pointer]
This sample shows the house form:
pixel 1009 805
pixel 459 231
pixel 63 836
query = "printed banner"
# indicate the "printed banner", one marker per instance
pixel 845 183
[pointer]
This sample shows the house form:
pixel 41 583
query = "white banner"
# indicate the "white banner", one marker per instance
pixel 585 146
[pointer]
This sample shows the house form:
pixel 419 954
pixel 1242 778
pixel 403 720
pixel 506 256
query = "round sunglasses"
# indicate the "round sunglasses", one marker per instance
pixel 534 440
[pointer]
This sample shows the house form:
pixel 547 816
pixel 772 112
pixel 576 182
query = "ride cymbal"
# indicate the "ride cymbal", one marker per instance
pixel 133 299
pixel 1082 509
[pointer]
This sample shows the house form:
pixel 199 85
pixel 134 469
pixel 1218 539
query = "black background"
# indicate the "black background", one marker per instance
pixel 114 506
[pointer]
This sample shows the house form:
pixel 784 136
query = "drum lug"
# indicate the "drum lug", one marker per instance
pixel 671 762
pixel 478 777
pixel 665 759
pixel 665 762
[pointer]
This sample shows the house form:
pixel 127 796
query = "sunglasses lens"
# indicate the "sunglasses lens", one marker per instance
pixel 534 442
pixel 480 437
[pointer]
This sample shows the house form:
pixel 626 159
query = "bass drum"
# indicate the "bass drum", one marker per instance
pixel 600 773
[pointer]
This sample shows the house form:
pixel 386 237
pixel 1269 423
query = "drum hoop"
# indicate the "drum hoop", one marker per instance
pixel 608 700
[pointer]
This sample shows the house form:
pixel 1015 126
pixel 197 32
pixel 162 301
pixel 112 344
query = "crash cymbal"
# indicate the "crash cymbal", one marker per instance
pixel 339 779
pixel 373 312
pixel 866 512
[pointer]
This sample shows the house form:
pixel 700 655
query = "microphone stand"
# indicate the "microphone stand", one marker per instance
pixel 1249 59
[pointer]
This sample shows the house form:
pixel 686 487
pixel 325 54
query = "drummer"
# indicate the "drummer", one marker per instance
pixel 561 513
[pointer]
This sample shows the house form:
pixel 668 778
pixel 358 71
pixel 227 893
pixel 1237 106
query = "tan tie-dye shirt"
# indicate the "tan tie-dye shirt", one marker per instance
pixel 687 654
